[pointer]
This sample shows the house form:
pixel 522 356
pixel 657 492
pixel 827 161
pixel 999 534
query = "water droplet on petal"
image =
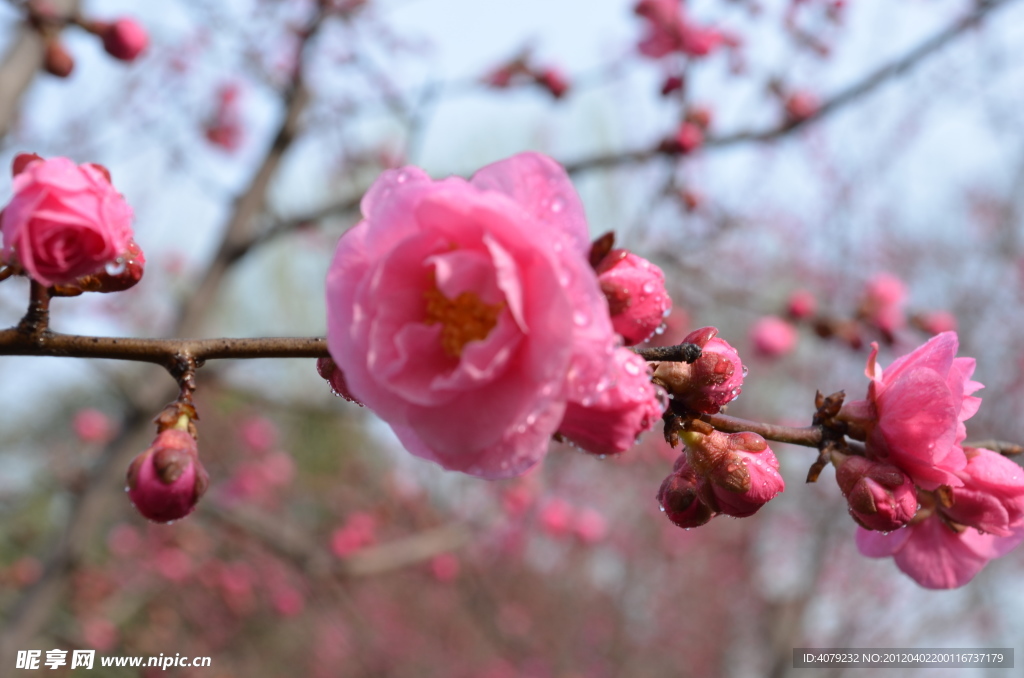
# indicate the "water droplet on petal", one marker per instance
pixel 648 287
pixel 580 318
pixel 632 368
pixel 115 267
pixel 557 205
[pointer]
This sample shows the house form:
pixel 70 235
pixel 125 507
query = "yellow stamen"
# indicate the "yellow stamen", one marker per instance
pixel 465 318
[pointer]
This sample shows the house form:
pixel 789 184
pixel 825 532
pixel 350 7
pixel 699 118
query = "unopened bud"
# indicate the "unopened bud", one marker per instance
pixel 124 39
pixel 167 480
pixel 680 499
pixel 57 60
pixel 635 290
pixel 737 473
pixel 713 380
pixel 880 496
pixel 329 371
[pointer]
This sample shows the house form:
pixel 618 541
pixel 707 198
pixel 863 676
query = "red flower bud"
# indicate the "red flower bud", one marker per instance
pixel 737 473
pixel 166 481
pixel 680 499
pixel 881 497
pixel 329 371
pixel 716 378
pixel 635 290
pixel 124 39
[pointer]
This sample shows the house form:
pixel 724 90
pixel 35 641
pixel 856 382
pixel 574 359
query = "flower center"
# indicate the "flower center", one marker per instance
pixel 465 318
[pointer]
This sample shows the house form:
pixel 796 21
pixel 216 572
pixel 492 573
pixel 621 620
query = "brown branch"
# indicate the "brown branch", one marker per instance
pixel 1001 446
pixel 808 436
pixel 864 86
pixel 165 352
pixel 34 325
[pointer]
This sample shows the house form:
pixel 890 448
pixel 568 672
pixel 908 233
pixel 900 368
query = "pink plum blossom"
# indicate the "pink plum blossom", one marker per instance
pixel 166 481
pixel 956 533
pixel 714 380
pixel 801 105
pixel 913 417
pixel 622 409
pixel 64 221
pixel 773 337
pixel 936 322
pixel 880 496
pixel 635 290
pixel 358 532
pixel 466 314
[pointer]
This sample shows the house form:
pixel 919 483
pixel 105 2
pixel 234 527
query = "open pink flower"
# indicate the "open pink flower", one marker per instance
pixel 915 409
pixel 956 533
pixel 466 315
pixel 65 221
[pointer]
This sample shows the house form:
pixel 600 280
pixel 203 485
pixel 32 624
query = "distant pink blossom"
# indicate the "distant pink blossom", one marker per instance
pixel 669 30
pixel 882 302
pixel 93 426
pixel 445 567
pixel 801 105
pixel 688 138
pixel 635 290
pixel 802 304
pixel 556 517
pixel 773 337
pixel 590 526
pixel 225 127
pixel 258 433
pixel 358 532
pixel 466 314
pixel 915 411
pixel 124 39
pixel 937 322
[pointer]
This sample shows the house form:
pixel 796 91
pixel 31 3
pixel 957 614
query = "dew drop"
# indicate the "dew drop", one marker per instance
pixel 531 420
pixel 402 177
pixel 648 287
pixel 661 508
pixel 115 267
pixel 580 318
pixel 632 368
pixel 557 205
pixel 746 370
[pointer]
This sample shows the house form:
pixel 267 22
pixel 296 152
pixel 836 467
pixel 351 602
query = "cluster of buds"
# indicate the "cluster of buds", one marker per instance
pixel 720 473
pixel 167 480
pixel 124 39
pixel 522 70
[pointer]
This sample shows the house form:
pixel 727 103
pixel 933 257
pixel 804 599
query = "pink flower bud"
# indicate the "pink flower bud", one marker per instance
pixel 737 473
pixel 688 138
pixel 699 115
pixel 22 160
pixel 57 60
pixel 618 413
pixel 672 83
pixel 635 290
pixel 801 304
pixel 556 517
pixel 329 371
pixel 166 481
pixel 124 39
pixel 773 337
pixel 258 433
pixel 936 322
pixel 882 302
pixel 881 497
pixel 680 499
pixel 801 105
pixel 93 426
pixel 716 378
